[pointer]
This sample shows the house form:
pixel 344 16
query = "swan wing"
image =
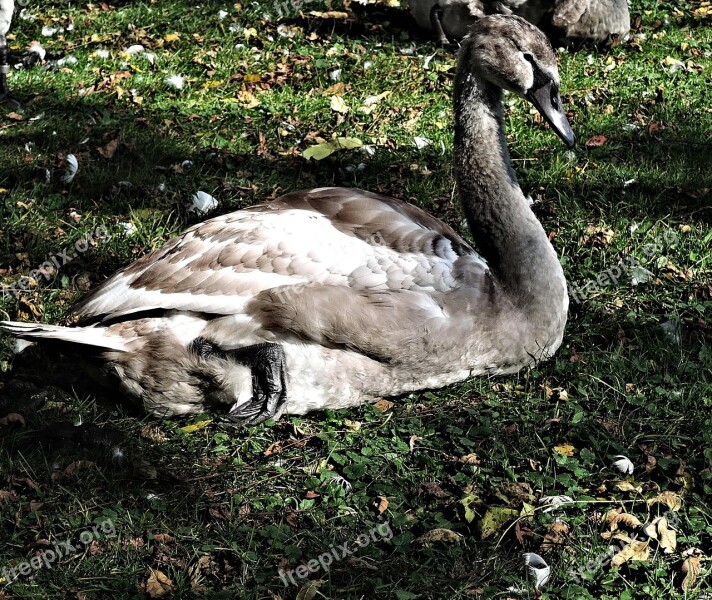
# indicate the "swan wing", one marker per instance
pixel 328 236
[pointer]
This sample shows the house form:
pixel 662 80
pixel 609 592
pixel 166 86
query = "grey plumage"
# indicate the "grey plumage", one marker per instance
pixel 368 296
pixel 593 21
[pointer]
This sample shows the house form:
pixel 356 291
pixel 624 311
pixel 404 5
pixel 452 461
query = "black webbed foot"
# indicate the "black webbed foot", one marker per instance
pixel 269 378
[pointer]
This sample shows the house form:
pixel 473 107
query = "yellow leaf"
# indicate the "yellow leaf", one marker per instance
pixel 253 78
pixel 352 425
pixel 196 426
pixel 172 37
pixel 493 519
pixel 565 449
pixel 249 32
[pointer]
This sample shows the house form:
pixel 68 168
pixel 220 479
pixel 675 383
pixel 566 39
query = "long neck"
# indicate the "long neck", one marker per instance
pixel 505 230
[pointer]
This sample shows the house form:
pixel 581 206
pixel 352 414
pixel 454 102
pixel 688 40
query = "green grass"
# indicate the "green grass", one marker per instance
pixel 241 503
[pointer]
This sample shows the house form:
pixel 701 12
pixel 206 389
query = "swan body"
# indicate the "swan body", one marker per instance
pixel 7 7
pixel 593 21
pixel 334 297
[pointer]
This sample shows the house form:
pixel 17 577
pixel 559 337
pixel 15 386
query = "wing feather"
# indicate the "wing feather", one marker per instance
pixel 330 236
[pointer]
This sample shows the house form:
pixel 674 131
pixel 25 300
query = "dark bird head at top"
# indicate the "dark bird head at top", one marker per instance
pixel 514 55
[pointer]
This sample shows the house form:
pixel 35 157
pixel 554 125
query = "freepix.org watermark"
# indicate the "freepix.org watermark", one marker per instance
pixel 48 556
pixel 50 267
pixel 336 553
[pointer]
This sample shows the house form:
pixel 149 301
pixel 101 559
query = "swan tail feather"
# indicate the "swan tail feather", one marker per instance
pixel 85 336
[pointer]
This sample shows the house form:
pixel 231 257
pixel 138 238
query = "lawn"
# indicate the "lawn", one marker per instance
pixel 442 490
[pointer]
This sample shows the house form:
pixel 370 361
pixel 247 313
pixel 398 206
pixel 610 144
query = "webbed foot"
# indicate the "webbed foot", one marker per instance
pixel 269 378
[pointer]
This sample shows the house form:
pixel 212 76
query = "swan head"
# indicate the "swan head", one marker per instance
pixel 514 55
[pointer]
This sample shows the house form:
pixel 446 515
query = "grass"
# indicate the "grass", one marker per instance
pixel 238 504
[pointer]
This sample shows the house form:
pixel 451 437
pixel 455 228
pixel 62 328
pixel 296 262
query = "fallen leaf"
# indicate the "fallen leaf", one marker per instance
pixel 158 584
pixel 273 448
pixel 493 519
pixel 12 418
pixel 596 141
pixel 164 538
pixel 441 534
pixel 352 425
pixel 669 499
pixel 555 535
pixel 691 567
pixel 308 592
pixel 329 14
pixel 564 450
pixel 635 550
pixel 381 504
pixel 411 442
pixel 78 465
pixel 196 426
pixel 339 105
pixel 627 486
pixel 384 405
pixel 667 538
pixel 469 459
pixel 616 519
pixel 109 150
pixel 321 151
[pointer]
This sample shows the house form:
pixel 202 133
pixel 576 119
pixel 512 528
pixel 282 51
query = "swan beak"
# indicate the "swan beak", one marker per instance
pixel 547 101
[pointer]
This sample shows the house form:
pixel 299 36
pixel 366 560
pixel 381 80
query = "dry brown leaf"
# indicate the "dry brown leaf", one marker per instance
pixel 78 465
pixel 12 418
pixel 555 535
pixel 411 442
pixel 691 567
pixel 440 534
pixel 384 405
pixel 669 499
pixel 635 550
pixel 627 486
pixel 5 495
pixel 469 459
pixel 596 141
pixel 329 14
pixel 109 150
pixel 158 585
pixel 381 504
pixel 616 519
pixel 164 538
pixel 667 538
pixel 274 448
